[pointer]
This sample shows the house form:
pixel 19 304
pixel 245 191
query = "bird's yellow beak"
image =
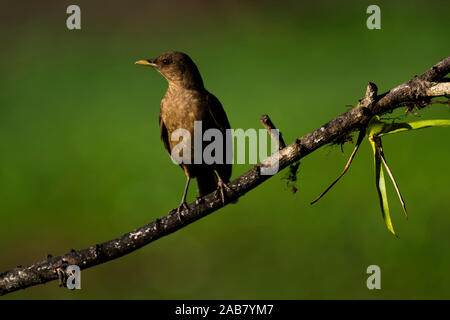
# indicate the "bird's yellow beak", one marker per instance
pixel 146 63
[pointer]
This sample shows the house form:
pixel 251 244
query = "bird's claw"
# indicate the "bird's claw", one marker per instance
pixel 181 207
pixel 220 186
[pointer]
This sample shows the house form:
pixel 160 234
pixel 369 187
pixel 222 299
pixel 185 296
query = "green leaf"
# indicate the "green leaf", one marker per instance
pixel 375 126
pixel 397 189
pixel 375 130
pixel 391 128
pixel 381 184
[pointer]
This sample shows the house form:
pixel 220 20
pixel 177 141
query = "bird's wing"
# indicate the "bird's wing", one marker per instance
pixel 163 133
pixel 221 121
pixel 217 113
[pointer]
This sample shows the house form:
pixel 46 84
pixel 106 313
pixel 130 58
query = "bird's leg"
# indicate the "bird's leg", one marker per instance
pixel 220 186
pixel 183 205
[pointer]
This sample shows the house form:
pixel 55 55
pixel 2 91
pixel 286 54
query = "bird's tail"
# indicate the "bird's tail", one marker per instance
pixel 207 182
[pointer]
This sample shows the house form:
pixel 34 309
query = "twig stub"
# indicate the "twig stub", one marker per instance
pixel 268 124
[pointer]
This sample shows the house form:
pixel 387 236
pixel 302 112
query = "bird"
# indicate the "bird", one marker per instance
pixel 186 101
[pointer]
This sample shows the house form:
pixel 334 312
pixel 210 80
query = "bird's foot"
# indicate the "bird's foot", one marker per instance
pixel 182 207
pixel 62 277
pixel 220 189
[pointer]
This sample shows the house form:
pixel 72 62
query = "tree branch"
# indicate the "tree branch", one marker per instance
pixel 417 91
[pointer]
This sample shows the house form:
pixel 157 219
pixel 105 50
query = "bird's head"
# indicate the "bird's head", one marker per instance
pixel 177 67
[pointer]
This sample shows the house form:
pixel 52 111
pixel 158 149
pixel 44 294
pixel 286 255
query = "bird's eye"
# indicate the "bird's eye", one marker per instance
pixel 166 61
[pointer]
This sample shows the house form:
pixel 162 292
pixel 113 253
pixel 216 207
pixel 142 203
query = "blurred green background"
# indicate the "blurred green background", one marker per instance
pixel 81 161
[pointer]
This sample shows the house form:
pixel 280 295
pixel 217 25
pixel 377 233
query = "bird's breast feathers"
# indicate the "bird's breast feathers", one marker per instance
pixel 180 110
